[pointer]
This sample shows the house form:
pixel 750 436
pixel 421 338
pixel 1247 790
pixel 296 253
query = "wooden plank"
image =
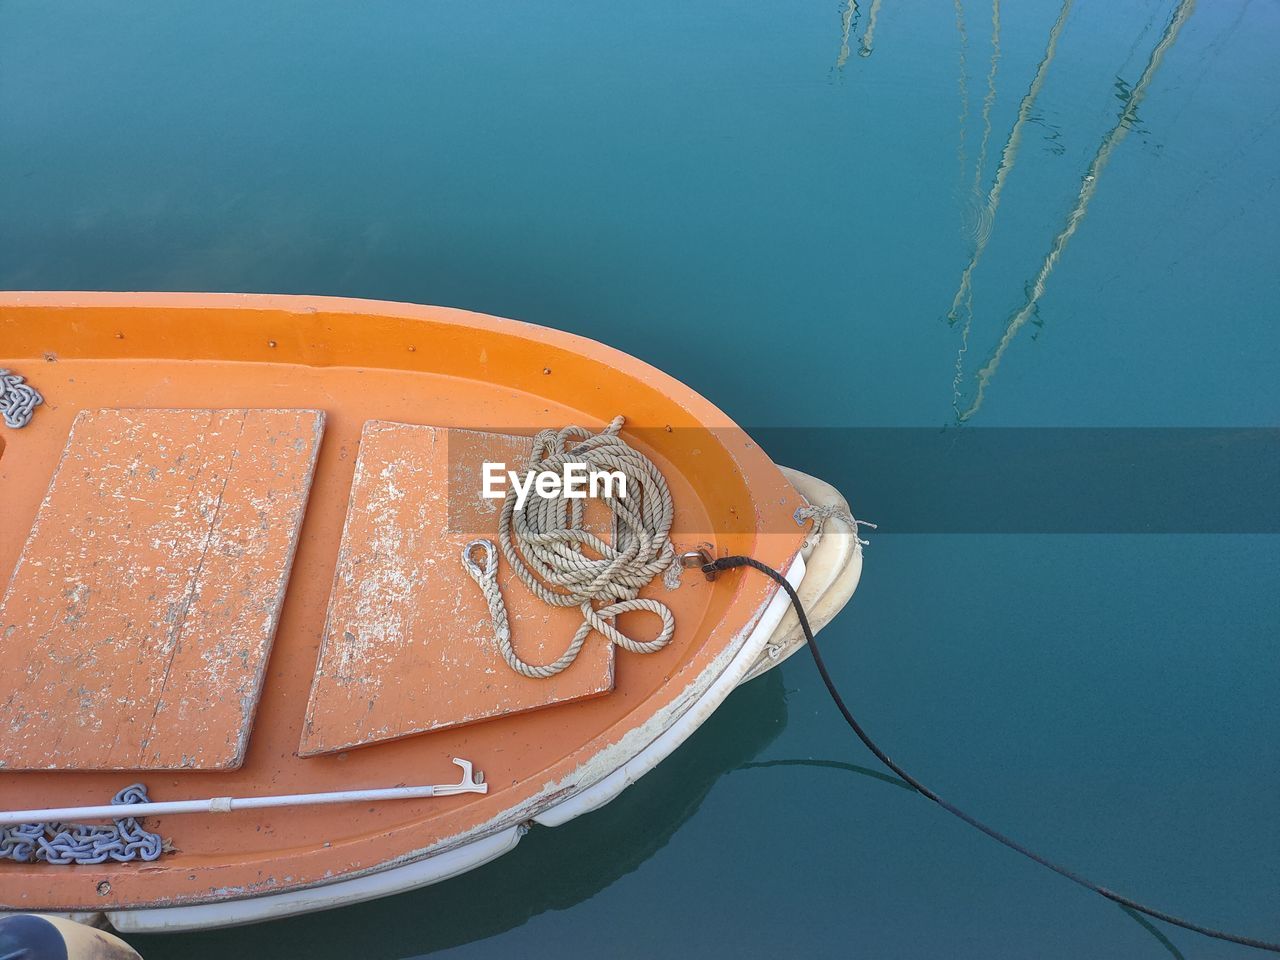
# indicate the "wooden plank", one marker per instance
pixel 136 626
pixel 408 645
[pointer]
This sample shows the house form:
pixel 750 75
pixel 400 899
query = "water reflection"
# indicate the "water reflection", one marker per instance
pixel 864 49
pixel 551 869
pixel 963 299
pixel 830 765
pixel 988 102
pixel 848 22
pixel 1088 187
pixel 1138 918
pixel 1156 932
pixel 962 83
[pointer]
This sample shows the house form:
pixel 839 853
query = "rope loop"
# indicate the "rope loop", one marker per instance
pixel 565 565
pixel 490 568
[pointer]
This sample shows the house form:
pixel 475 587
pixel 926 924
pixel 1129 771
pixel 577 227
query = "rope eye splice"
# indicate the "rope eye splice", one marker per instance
pixel 18 400
pixel 564 565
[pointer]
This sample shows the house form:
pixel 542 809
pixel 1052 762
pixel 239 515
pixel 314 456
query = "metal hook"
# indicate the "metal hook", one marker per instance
pixel 472 781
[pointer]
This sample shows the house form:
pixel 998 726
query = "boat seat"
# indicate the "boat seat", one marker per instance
pixel 135 629
pixel 408 645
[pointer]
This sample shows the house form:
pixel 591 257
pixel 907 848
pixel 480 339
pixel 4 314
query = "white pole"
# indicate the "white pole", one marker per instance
pixel 116 811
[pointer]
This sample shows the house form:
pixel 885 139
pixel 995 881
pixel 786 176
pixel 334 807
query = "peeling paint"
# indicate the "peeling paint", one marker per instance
pixel 149 681
pixel 408 646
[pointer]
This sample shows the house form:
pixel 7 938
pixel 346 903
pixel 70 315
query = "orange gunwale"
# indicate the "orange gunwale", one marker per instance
pixel 361 360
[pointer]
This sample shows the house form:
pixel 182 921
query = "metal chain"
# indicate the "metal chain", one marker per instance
pixel 18 400
pixel 61 843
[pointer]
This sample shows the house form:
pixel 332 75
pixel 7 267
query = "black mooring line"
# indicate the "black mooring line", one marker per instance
pixel 729 563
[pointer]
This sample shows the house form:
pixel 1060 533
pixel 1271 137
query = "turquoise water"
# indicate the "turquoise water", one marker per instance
pixel 776 203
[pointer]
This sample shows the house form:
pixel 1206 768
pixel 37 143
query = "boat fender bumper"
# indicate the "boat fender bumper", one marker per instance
pixel 33 936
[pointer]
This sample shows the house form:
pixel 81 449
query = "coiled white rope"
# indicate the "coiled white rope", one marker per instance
pixel 564 565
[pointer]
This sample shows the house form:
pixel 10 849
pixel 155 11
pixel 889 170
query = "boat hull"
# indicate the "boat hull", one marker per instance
pixel 356 361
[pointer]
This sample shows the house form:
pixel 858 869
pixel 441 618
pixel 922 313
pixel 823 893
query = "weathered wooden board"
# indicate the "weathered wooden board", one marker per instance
pixel 408 645
pixel 135 629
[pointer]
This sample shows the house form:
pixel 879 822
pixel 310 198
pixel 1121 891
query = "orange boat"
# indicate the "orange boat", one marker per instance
pixel 259 561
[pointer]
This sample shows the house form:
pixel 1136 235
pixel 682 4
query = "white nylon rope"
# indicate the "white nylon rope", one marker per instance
pixel 564 565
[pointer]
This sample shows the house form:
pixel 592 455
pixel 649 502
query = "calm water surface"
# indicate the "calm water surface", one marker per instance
pixel 883 213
